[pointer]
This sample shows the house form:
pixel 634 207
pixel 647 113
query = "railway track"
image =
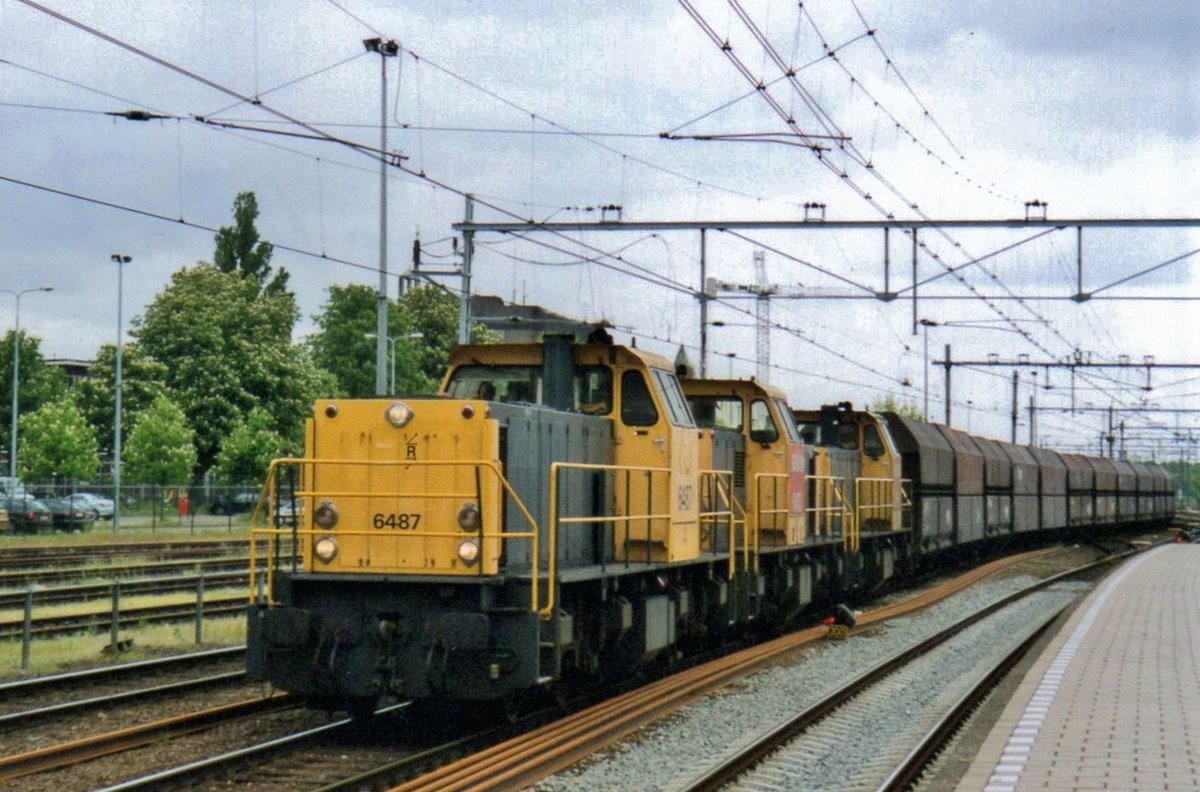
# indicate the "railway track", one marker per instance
pixel 285 763
pixel 88 748
pixel 30 700
pixel 22 557
pixel 303 760
pixel 53 626
pixel 523 761
pixel 41 577
pixel 786 754
pixel 95 591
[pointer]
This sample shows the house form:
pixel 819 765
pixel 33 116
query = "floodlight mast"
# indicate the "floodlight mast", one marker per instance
pixel 385 49
pixel 119 259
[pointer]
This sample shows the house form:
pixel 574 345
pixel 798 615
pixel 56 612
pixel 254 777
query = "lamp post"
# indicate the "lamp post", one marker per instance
pixel 977 324
pixel 386 49
pixel 16 365
pixel 729 355
pixel 925 325
pixel 119 259
pixel 391 340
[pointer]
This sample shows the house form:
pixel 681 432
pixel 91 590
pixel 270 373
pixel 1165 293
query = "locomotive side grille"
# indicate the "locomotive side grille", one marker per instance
pixel 739 469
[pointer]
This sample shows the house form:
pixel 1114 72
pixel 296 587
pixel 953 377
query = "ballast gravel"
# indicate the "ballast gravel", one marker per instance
pixel 668 753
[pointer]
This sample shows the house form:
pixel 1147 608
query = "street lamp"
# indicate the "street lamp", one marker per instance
pixel 16 364
pixel 118 259
pixel 977 324
pixel 391 341
pixel 925 325
pixel 386 49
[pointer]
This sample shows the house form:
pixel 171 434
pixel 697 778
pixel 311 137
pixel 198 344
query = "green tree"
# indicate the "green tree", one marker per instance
pixel 247 451
pixel 143 380
pixel 161 447
pixel 38 384
pixel 228 350
pixel 341 345
pixel 56 440
pixel 239 249
pixel 890 403
pixel 433 313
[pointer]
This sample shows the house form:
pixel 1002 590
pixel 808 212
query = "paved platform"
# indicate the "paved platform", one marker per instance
pixel 1114 702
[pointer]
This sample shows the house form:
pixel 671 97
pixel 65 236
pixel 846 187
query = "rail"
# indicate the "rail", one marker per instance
pixel 268 498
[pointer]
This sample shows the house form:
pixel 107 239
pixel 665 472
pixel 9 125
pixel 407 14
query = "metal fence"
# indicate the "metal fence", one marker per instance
pixel 120 616
pixel 143 507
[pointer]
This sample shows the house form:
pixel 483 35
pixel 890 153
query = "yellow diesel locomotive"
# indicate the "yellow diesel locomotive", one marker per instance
pixel 554 513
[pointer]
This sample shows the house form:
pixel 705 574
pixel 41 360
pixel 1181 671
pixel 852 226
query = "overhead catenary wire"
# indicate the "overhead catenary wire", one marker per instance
pixel 827 123
pixel 335 4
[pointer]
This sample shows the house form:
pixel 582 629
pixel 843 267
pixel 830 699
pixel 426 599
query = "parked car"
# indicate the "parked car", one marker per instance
pixel 69 515
pixel 97 503
pixel 286 512
pixel 240 503
pixel 29 515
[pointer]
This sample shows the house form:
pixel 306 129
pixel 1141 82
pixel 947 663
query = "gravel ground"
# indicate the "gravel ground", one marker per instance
pixel 859 744
pixel 667 753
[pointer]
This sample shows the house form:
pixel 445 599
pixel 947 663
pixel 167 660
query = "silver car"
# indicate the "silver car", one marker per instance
pixel 93 502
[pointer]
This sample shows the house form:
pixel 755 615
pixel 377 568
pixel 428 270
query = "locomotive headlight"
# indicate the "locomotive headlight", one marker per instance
pixel 468 517
pixel 399 414
pixel 326 515
pixel 468 551
pixel 326 548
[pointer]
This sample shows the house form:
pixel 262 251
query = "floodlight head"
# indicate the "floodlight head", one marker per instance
pixel 372 44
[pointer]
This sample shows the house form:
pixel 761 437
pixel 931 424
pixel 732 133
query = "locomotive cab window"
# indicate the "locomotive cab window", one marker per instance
pixel 671 394
pixel 523 384
pixel 593 390
pixel 497 383
pixel 717 412
pixel 762 425
pixel 872 442
pixel 810 433
pixel 789 425
pixel 847 436
pixel 637 408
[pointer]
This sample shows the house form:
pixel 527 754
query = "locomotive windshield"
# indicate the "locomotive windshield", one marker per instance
pixel 717 412
pixel 789 424
pixel 523 384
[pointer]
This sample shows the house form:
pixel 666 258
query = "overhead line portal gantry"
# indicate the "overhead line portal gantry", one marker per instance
pixel 859 291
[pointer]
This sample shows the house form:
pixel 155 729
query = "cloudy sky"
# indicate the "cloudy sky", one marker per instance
pixel 544 110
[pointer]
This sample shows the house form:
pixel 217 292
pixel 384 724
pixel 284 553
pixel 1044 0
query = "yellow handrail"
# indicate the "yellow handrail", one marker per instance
pixel 723 479
pixel 555 521
pixel 760 512
pixel 828 489
pixel 873 499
